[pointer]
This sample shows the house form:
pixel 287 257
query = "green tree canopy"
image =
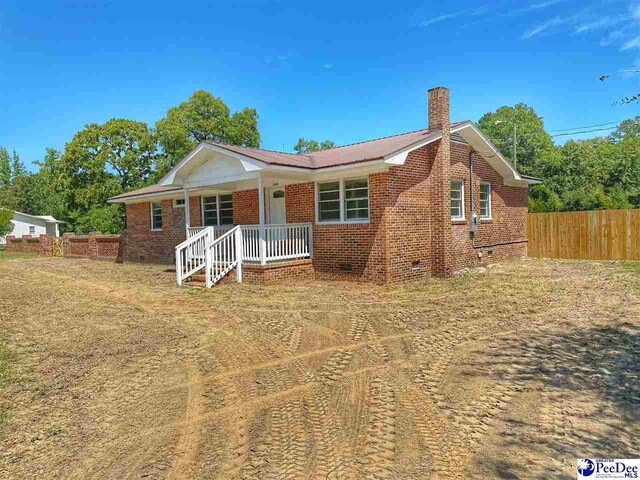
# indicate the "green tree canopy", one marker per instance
pixel 627 129
pixel 307 146
pixel 102 161
pixel 5 168
pixel 203 117
pixel 6 226
pixel 534 145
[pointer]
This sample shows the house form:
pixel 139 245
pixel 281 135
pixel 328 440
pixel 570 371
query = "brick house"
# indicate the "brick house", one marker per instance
pixel 423 203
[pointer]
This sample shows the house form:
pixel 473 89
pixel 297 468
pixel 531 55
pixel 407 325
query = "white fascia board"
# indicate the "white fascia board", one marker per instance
pixel 147 197
pixel 495 152
pixel 400 156
pixel 169 178
pixel 249 164
pixel 221 180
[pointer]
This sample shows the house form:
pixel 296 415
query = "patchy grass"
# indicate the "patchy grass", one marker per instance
pixel 504 372
pixel 4 255
pixel 631 266
pixel 9 375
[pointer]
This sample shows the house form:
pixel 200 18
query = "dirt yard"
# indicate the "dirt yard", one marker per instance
pixel 111 371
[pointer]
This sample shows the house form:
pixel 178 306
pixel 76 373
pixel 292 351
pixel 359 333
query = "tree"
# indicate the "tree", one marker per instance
pixel 17 167
pixel 102 161
pixel 6 225
pixel 534 145
pixel 5 168
pixel 307 146
pixel 203 117
pixel 626 129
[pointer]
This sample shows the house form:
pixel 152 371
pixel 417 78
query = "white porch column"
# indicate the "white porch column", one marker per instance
pixel 262 231
pixel 187 212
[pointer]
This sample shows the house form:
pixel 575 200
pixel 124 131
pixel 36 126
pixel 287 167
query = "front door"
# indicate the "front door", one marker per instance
pixel 277 212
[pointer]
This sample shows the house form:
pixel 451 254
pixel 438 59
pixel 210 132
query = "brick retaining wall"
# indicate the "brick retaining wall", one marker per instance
pixel 94 246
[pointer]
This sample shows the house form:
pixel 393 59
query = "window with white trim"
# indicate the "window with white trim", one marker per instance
pixel 156 216
pixel 178 203
pixel 343 200
pixel 217 210
pixel 485 200
pixel 329 202
pixel 457 200
pixel 32 230
pixel 356 199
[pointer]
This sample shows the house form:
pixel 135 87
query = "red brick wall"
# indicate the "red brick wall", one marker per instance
pixel 94 246
pixel 143 245
pixel 410 232
pixel 359 245
pixel 410 209
pixel 245 207
pixel 24 244
pixel 509 214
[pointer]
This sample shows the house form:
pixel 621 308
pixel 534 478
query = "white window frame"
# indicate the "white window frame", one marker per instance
pixel 151 216
pixel 32 230
pixel 462 212
pixel 217 208
pixel 489 216
pixel 175 203
pixel 343 201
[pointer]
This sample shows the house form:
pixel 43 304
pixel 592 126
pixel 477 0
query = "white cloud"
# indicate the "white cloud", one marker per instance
pixel 441 18
pixel 599 24
pixel 633 43
pixel 551 23
pixel 475 12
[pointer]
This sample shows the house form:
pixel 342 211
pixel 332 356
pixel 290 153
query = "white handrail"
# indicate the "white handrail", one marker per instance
pixel 283 242
pixel 191 254
pixel 223 255
pixel 217 250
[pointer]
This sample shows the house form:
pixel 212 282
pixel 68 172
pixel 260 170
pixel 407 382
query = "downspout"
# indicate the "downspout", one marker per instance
pixel 473 207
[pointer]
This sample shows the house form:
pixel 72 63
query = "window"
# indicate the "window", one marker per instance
pixel 156 216
pixel 329 201
pixel 457 200
pixel 343 200
pixel 178 203
pixel 217 210
pixel 485 200
pixel 356 199
pixel 32 230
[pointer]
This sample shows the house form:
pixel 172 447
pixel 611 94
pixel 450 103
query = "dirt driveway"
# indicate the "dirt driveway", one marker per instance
pixel 110 371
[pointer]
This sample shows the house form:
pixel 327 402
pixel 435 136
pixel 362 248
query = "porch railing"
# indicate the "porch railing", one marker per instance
pixel 217 250
pixel 218 230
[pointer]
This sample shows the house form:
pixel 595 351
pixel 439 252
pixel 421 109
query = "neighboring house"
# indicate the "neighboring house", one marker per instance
pixel 24 224
pixel 383 210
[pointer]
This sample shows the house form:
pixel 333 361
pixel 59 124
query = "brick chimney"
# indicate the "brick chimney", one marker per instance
pixel 438 102
pixel 441 235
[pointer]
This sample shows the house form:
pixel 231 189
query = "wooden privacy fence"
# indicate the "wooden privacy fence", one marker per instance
pixel 595 235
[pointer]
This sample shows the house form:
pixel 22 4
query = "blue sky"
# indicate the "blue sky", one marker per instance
pixel 345 71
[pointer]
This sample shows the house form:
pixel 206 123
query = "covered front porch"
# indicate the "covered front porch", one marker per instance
pixel 268 249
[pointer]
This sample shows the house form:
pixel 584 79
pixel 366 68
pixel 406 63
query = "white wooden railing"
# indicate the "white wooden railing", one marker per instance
pixel 217 250
pixel 218 230
pixel 223 255
pixel 288 241
pixel 191 254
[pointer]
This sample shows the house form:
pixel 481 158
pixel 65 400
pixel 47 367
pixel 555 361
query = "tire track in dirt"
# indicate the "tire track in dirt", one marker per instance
pixel 189 440
pixel 329 461
pixel 381 434
pixel 236 433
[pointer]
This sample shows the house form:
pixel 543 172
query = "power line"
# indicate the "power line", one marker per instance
pixel 583 131
pixel 586 126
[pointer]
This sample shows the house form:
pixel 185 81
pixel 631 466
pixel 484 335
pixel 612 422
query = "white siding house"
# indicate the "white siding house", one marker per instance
pixel 24 224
